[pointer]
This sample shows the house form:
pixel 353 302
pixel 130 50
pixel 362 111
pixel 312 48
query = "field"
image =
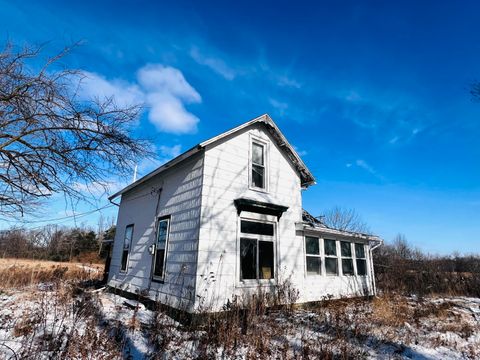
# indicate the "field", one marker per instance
pixel 53 316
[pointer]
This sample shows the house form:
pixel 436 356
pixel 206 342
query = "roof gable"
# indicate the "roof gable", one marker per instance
pixel 306 176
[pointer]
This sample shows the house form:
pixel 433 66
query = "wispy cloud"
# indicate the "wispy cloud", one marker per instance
pixel 214 63
pixel 164 154
pixel 163 89
pixel 362 164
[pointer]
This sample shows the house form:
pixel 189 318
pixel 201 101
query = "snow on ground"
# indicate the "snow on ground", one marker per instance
pixel 60 321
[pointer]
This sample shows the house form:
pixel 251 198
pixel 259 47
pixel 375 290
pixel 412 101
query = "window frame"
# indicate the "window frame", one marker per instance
pixel 129 247
pixel 364 258
pixel 335 241
pixel 273 239
pixel 319 255
pixel 351 257
pixel 266 150
pixel 161 278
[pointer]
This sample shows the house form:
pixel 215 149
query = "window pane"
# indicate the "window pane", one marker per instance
pixel 347 266
pixel 257 154
pixel 331 266
pixel 159 260
pixel 248 258
pixel 265 260
pixel 253 227
pixel 330 247
pixel 313 265
pixel 162 234
pixel 258 176
pixel 128 236
pixel 361 267
pixel 311 245
pixel 124 260
pixel 346 249
pixel 360 251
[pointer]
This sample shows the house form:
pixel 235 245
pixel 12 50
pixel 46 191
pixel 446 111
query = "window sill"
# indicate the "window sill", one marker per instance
pixel 158 281
pixel 264 191
pixel 256 283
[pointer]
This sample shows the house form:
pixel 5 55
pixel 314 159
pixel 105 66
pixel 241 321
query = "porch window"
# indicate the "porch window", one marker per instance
pixel 331 259
pixel 161 248
pixel 313 257
pixel 258 166
pixel 257 255
pixel 361 259
pixel 347 260
pixel 127 241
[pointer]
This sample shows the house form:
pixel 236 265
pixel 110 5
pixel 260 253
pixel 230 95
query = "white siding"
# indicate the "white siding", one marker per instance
pixel 226 178
pixel 180 198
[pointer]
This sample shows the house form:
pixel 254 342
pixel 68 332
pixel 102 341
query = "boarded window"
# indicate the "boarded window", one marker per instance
pixel 258 165
pixel 257 254
pixel 161 248
pixel 361 259
pixel 127 241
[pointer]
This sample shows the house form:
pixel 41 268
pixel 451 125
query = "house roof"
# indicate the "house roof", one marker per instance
pixel 314 225
pixel 306 176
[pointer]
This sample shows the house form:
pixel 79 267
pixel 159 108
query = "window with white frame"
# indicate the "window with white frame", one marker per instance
pixel 159 264
pixel 347 260
pixel 331 258
pixel 361 259
pixel 258 174
pixel 257 250
pixel 127 241
pixel 313 256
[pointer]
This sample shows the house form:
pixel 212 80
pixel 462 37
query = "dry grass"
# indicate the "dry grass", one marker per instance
pixel 17 273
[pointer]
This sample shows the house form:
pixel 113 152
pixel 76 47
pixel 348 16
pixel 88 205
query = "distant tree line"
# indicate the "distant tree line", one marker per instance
pixel 56 243
pixel 401 268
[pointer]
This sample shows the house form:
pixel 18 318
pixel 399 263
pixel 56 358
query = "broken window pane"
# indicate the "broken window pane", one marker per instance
pixel 331 266
pixel 330 247
pixel 265 260
pixel 347 266
pixel 254 227
pixel 361 267
pixel 360 251
pixel 313 265
pixel 258 173
pixel 124 260
pixel 248 258
pixel 311 245
pixel 346 248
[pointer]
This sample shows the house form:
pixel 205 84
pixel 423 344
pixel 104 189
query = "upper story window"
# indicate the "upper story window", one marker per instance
pixel 127 241
pixel 258 166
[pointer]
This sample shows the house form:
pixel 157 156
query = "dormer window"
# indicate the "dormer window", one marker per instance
pixel 258 169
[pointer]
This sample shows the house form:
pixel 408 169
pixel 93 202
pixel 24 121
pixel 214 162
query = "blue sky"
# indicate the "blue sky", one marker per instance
pixel 374 95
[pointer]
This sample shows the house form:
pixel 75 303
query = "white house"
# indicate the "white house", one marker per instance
pixel 224 219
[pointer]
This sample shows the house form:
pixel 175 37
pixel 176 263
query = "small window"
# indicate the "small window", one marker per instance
pixel 257 254
pixel 127 241
pixel 347 261
pixel 313 258
pixel 258 166
pixel 331 260
pixel 161 248
pixel 361 259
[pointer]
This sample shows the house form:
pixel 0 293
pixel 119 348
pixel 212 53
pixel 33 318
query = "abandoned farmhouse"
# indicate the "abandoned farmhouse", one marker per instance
pixel 224 219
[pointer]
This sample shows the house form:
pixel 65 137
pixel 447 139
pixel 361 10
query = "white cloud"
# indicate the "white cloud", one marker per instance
pixel 95 85
pixel 163 89
pixel 214 63
pixel 368 168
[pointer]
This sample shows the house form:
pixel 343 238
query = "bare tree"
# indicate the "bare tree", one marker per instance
pixel 51 140
pixel 344 219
